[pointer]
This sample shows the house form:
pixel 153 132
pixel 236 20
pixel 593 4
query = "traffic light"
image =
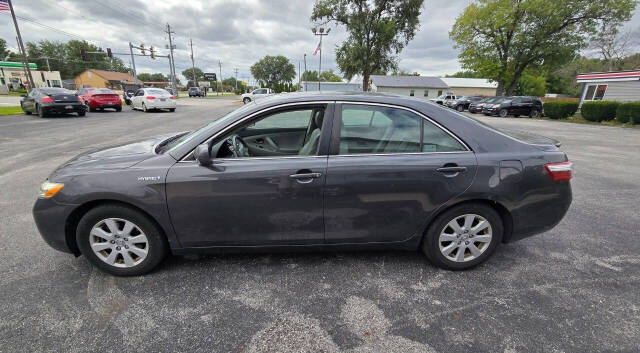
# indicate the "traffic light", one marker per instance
pixel 109 53
pixel 142 49
pixel 83 53
pixel 153 53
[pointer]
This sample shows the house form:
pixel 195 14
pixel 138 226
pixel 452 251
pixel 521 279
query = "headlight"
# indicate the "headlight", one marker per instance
pixel 48 189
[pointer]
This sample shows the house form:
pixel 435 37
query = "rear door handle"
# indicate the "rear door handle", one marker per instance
pixel 449 170
pixel 305 176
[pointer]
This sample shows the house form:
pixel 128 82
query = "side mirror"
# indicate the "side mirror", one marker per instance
pixel 202 154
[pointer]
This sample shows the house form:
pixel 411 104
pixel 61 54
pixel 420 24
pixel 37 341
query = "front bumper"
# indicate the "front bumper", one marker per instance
pixel 490 111
pixel 50 218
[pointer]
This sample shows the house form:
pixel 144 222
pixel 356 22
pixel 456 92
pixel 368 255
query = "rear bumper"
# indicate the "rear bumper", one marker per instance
pixel 95 104
pixel 50 218
pixel 61 108
pixel 158 104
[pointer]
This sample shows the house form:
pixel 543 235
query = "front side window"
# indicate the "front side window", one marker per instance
pixel 285 133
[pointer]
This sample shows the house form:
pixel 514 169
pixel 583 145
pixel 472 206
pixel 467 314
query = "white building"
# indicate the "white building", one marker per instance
pixel 415 86
pixel 12 73
pixel 471 86
pixel 621 86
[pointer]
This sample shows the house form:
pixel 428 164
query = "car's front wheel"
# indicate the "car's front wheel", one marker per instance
pixel 246 101
pixel 463 236
pixel 534 113
pixel 460 108
pixel 503 113
pixel 121 240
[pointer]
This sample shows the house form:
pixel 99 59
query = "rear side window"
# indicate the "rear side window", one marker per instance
pixel 379 130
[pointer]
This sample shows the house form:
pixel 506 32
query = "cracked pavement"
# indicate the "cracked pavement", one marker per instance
pixel 575 288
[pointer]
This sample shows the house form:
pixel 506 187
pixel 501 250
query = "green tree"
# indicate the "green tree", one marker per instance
pixel 311 76
pixel 532 84
pixel 155 77
pixel 465 74
pixel 404 73
pixel 501 39
pixel 188 74
pixel 273 70
pixel 4 51
pixel 378 30
pixel 326 76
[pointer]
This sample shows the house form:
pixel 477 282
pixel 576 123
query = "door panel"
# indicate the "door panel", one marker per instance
pixel 247 202
pixel 386 198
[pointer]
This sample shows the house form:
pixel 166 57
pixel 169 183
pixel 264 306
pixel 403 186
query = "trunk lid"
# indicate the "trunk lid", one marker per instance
pixel 64 97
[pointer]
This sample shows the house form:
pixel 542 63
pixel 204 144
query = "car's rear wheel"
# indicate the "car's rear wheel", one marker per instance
pixel 26 112
pixel 460 108
pixel 503 113
pixel 172 109
pixel 120 240
pixel 41 112
pixel 118 109
pixel 246 101
pixel 534 113
pixel 144 108
pixel 463 236
pixel 82 113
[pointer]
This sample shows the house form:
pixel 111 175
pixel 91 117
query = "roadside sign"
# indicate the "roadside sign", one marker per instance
pixel 210 76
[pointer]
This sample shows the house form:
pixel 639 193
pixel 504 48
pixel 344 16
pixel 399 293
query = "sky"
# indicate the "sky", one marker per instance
pixel 236 33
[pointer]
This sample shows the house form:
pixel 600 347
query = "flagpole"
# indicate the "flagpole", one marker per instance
pixel 25 60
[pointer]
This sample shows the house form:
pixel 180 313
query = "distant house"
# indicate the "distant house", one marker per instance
pixel 331 86
pixel 614 85
pixel 416 86
pixel 103 79
pixel 471 86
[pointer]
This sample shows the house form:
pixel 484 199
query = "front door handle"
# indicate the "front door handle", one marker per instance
pixel 448 170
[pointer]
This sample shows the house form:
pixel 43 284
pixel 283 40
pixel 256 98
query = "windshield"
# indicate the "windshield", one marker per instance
pixel 180 140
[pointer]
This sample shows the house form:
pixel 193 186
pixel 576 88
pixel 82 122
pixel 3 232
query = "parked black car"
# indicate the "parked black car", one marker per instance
pixel 464 102
pixel 476 107
pixel 196 92
pixel 52 100
pixel 516 106
pixel 305 171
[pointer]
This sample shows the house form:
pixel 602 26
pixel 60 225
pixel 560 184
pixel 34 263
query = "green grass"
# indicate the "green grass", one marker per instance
pixel 13 94
pixel 10 110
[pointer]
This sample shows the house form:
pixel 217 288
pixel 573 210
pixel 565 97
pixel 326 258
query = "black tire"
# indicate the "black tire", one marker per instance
pixel 431 245
pixel 26 112
pixel 81 114
pixel 246 101
pixel 503 113
pixel 158 245
pixel 118 109
pixel 460 108
pixel 172 109
pixel 534 113
pixel 144 108
pixel 40 111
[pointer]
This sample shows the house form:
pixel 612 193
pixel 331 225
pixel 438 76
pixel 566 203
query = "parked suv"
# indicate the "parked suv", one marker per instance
pixel 463 102
pixel 516 106
pixel 443 98
pixel 196 92
pixel 255 94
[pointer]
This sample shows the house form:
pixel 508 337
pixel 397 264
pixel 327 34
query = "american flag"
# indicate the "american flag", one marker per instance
pixel 314 53
pixel 4 5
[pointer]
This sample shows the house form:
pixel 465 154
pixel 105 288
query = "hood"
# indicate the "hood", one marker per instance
pixel 114 157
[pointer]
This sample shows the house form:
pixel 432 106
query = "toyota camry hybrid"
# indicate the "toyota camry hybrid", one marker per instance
pixel 303 171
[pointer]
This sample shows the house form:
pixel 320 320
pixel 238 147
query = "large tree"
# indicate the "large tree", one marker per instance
pixel 378 30
pixel 273 70
pixel 155 77
pixel 500 39
pixel 4 51
pixel 326 76
pixel 188 74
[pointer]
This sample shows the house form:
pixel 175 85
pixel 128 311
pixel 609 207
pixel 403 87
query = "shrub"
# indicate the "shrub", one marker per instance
pixel 599 110
pixel 628 112
pixel 560 109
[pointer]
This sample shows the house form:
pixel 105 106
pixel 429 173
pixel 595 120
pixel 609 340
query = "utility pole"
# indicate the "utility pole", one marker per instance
pixel 305 68
pixel 320 32
pixel 236 71
pixel 25 59
pixel 133 64
pixel 193 65
pixel 220 66
pixel 173 63
pixel 299 82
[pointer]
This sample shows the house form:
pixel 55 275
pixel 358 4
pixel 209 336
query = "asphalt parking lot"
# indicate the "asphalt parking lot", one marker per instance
pixel 575 288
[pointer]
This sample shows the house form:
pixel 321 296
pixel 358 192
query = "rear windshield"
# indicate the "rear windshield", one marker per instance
pixel 157 91
pixel 102 91
pixel 55 90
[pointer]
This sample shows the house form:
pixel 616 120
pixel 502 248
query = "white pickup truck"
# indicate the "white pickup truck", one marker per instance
pixel 256 94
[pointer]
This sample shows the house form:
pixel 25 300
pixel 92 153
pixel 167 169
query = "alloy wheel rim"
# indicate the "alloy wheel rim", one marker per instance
pixel 465 238
pixel 119 242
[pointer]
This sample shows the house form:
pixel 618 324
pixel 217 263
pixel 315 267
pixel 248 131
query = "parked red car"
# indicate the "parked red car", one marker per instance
pixel 100 98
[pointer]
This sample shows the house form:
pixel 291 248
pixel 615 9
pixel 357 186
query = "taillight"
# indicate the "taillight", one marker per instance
pixel 47 100
pixel 172 97
pixel 560 170
pixel 151 98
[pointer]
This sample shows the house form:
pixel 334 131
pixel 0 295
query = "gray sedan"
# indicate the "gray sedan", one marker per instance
pixel 309 171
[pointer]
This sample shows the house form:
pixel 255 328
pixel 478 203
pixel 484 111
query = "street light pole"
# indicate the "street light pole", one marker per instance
pixel 320 32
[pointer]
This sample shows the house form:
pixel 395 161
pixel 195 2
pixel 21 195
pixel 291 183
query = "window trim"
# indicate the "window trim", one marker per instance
pixel 327 121
pixel 334 147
